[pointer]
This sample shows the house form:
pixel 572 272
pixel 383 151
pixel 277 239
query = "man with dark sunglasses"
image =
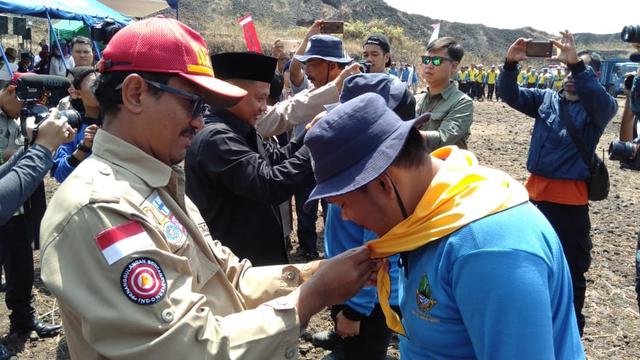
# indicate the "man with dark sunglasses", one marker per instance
pixel 127 254
pixel 451 109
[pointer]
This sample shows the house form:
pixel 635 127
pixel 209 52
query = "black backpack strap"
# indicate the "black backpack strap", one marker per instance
pixel 582 148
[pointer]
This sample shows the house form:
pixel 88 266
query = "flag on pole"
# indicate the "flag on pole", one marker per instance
pixel 250 35
pixel 436 32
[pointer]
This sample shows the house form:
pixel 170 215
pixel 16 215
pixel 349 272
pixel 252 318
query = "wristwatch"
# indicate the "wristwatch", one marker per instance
pixel 83 148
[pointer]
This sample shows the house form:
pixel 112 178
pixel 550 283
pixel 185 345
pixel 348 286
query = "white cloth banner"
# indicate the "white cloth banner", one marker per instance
pixel 436 32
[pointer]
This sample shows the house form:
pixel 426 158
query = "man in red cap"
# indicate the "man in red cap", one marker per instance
pixel 127 254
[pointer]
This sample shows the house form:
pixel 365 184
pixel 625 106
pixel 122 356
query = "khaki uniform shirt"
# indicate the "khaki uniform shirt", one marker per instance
pixel 451 117
pixel 138 276
pixel 300 109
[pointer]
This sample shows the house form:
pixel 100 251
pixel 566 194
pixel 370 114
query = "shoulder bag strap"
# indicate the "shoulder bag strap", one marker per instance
pixel 582 148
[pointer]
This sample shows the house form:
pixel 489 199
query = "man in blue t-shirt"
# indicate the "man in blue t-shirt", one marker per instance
pixel 483 273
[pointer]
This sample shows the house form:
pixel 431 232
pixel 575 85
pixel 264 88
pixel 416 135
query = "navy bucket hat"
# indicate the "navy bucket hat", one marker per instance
pixel 355 143
pixel 391 89
pixel 325 47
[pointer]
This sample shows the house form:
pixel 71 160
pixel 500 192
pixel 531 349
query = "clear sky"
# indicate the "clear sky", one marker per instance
pixel 548 15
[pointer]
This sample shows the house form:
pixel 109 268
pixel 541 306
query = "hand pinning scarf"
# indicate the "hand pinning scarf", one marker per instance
pixel 461 192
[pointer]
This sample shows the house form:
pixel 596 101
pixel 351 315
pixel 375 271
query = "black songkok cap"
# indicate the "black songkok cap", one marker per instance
pixel 244 65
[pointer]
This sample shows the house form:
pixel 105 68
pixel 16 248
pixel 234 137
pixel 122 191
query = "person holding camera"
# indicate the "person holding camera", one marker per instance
pixel 69 155
pixel 558 181
pixel 376 51
pixel 21 175
pixel 629 132
pixel 127 254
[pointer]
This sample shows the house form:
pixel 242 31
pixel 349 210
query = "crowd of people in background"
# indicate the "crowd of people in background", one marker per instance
pixel 482 84
pixel 55 59
pixel 175 157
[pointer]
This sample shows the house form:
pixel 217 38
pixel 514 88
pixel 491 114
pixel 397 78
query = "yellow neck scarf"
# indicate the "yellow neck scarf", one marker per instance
pixel 461 192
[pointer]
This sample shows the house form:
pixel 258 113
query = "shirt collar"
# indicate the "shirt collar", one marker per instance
pixel 114 149
pixel 227 117
pixel 448 91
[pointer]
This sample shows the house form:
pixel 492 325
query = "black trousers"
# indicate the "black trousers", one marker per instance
pixel 374 337
pixel 478 91
pixel 490 88
pixel 572 225
pixel 15 248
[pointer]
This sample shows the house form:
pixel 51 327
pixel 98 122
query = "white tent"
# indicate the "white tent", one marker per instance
pixel 136 8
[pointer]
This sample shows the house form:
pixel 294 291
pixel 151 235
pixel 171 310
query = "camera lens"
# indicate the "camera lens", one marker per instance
pixel 620 150
pixel 631 33
pixel 73 118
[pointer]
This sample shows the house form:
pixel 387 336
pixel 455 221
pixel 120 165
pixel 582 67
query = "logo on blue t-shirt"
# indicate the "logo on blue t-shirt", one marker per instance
pixel 424 298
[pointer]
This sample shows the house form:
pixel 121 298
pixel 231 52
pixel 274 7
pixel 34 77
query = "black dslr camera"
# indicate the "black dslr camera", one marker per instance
pixel 631 34
pixel 105 30
pixel 38 93
pixel 626 153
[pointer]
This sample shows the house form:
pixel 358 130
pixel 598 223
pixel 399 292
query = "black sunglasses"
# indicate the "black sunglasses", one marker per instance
pixel 435 60
pixel 199 105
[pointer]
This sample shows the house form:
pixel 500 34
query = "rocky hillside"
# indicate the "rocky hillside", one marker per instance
pixel 482 41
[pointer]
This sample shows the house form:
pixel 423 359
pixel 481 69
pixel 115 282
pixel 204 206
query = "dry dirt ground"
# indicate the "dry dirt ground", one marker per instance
pixel 500 138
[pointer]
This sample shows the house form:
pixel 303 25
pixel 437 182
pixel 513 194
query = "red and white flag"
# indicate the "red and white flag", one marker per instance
pixel 435 33
pixel 122 240
pixel 250 34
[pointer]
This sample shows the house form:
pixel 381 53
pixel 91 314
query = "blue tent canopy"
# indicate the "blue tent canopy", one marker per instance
pixel 88 11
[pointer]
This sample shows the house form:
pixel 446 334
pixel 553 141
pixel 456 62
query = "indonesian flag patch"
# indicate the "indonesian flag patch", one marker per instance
pixel 122 240
pixel 143 281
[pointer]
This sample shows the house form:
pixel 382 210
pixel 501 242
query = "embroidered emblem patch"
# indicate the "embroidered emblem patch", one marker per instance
pixel 143 281
pixel 424 300
pixel 172 229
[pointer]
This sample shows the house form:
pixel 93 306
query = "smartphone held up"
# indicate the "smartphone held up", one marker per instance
pixel 542 49
pixel 332 27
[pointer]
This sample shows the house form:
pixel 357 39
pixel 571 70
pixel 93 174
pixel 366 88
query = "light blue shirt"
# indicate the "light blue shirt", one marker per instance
pixel 498 288
pixel 341 235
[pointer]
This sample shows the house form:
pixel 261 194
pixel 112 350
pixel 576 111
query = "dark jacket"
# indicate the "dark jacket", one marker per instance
pixel 552 152
pixel 20 178
pixel 237 180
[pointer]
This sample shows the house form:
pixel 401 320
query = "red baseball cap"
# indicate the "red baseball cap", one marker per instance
pixel 164 45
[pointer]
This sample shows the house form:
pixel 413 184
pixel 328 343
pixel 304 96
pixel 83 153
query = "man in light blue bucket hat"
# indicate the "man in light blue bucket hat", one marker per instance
pixel 319 60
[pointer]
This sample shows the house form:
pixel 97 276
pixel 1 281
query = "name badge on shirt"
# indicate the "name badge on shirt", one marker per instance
pixel 172 229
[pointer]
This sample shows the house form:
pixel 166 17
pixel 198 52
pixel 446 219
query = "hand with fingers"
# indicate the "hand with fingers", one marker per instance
pixel 567 46
pixel 518 50
pixel 346 328
pixel 54 131
pixel 337 280
pixel 351 69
